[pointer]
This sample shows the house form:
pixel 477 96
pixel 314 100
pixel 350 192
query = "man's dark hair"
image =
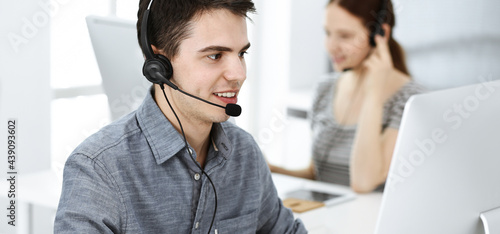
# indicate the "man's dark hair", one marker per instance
pixel 170 20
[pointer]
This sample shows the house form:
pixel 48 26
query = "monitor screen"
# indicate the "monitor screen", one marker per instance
pixel 120 62
pixel 445 170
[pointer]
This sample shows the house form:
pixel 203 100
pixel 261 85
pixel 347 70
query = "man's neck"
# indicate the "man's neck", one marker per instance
pixel 197 132
pixel 198 137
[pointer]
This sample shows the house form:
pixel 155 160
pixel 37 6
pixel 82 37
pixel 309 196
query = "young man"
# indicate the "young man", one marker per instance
pixel 136 175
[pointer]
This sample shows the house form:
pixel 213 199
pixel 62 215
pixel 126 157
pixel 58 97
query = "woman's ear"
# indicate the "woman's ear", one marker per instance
pixel 387 30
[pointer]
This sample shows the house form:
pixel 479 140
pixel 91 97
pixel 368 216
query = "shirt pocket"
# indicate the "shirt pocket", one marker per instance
pixel 241 225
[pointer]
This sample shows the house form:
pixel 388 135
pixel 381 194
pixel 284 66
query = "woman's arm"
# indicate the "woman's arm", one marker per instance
pixel 372 150
pixel 307 173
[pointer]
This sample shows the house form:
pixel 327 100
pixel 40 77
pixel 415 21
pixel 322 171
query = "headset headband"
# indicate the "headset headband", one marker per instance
pixel 146 45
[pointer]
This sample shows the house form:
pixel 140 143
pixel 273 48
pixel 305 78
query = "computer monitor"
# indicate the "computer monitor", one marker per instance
pixel 120 62
pixel 445 172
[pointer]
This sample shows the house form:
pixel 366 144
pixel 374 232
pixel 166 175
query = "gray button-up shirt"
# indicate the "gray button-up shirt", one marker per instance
pixel 135 176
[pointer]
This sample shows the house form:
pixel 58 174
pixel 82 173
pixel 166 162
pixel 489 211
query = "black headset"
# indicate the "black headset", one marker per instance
pixel 381 15
pixel 157 68
pixel 378 30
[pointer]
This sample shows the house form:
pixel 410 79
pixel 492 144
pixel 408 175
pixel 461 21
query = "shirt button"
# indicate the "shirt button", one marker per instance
pixel 190 151
pixel 197 176
pixel 197 225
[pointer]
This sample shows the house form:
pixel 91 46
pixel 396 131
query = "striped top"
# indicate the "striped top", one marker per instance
pixel 332 142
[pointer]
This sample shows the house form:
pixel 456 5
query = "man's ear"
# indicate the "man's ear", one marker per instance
pixel 155 50
pixel 158 51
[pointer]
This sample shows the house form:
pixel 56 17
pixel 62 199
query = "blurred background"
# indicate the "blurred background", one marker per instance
pixel 60 90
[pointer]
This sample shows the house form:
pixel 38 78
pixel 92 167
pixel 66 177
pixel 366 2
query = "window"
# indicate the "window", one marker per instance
pixel 79 107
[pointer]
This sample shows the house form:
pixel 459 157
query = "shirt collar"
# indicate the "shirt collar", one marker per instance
pixel 220 140
pixel 163 138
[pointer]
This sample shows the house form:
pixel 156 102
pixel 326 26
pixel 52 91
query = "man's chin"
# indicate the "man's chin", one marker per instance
pixel 221 119
pixel 218 118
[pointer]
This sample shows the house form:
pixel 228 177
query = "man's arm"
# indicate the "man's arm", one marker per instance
pixel 274 217
pixel 89 202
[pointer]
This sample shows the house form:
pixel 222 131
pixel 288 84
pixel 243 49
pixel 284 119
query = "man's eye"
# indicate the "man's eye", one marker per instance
pixel 242 54
pixel 214 56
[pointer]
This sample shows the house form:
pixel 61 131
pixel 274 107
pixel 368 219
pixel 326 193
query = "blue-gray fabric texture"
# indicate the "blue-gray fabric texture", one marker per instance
pixel 135 176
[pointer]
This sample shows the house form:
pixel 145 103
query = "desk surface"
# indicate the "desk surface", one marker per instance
pixel 358 216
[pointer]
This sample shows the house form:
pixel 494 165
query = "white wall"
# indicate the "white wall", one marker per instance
pixel 25 95
pixel 448 43
pixel 25 78
pixel 308 57
pixel 268 70
pixel 287 54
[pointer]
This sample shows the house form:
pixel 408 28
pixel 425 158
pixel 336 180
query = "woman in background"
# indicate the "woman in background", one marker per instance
pixel 357 109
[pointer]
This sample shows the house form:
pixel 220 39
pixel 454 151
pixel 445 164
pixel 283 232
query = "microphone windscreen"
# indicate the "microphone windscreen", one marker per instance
pixel 233 110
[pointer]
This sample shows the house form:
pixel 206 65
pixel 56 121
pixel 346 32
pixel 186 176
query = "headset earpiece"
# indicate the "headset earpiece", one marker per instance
pixel 380 19
pixel 378 31
pixel 157 68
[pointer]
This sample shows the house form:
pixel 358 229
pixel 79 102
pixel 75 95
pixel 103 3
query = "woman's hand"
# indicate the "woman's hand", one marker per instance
pixel 372 148
pixel 378 67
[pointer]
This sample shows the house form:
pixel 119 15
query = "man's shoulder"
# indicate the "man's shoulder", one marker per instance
pixel 241 141
pixel 109 137
pixel 230 126
pixel 233 131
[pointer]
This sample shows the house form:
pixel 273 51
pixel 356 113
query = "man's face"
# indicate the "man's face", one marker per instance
pixel 211 65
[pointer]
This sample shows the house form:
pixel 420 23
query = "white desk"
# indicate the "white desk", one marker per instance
pixel 358 216
pixel 37 196
pixel 41 188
